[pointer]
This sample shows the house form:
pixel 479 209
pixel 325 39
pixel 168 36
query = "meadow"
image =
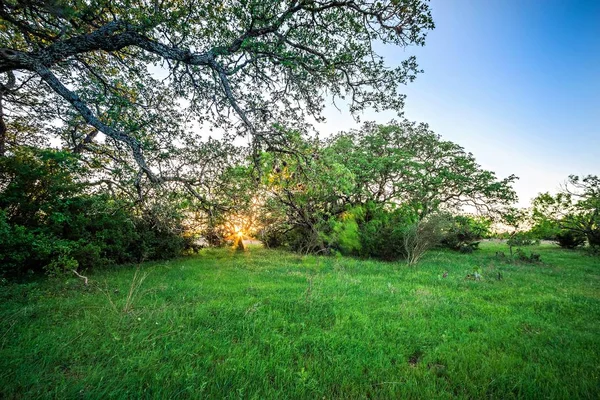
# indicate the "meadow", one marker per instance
pixel 270 324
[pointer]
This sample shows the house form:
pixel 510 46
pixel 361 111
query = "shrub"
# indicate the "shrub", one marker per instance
pixel 382 232
pixel 49 223
pixel 593 238
pixel 422 236
pixel 465 232
pixel 520 239
pixel 531 258
pixel 569 239
pixel 17 243
pixel 344 233
pixel 272 237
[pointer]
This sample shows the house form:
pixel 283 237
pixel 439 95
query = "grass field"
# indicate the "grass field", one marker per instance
pixel 268 324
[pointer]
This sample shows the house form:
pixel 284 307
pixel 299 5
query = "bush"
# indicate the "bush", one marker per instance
pixel 382 232
pixel 531 258
pixel 520 239
pixel 272 237
pixel 48 222
pixel 593 238
pixel 17 243
pixel 368 230
pixel 465 233
pixel 568 239
pixel 344 235
pixel 422 236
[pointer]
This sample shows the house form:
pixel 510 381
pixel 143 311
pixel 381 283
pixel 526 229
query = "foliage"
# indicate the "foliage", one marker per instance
pixel 304 193
pixel 345 233
pixel 404 162
pixel 523 257
pixel 544 229
pixel 144 73
pixel 465 232
pixel 49 219
pixel 576 208
pixel 523 238
pixel 382 231
pixel 365 192
pixel 422 236
pixel 569 239
pixel 517 220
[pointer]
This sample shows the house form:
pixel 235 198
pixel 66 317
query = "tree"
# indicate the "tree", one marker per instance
pixel 572 212
pixel 465 232
pixel 423 235
pixel 406 163
pixel 518 220
pixel 304 191
pixel 128 80
pixel 359 192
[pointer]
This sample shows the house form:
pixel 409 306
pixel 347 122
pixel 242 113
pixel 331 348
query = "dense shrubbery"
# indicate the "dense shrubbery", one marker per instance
pixel 382 233
pixel 569 239
pixel 49 222
pixel 522 238
pixel 374 231
pixel 369 231
pixel 465 233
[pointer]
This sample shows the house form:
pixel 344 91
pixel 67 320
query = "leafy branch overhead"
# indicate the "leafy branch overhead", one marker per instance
pixel 137 70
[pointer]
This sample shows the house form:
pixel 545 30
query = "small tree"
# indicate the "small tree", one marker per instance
pixel 569 239
pixel 515 219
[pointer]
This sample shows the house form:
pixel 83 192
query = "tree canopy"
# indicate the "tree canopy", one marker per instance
pixel 131 81
pixel 378 177
pixel 129 90
pixel 405 162
pixel 571 213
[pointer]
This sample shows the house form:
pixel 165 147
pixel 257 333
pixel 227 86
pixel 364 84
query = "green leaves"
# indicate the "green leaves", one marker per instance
pixel 403 162
pixel 51 221
pixel 572 214
pixel 144 73
pixel 364 192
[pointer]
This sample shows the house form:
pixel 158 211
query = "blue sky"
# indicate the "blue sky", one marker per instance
pixel 517 83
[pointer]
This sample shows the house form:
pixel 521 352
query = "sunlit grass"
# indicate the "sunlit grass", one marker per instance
pixel 269 324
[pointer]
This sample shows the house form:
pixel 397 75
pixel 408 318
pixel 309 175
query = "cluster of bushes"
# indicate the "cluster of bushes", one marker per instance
pixel 569 239
pixel 570 217
pixel 465 233
pixel 401 234
pixel 381 191
pixel 374 231
pixel 565 238
pixel 365 231
pixel 51 221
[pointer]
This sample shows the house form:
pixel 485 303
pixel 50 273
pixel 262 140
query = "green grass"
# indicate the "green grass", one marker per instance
pixel 268 324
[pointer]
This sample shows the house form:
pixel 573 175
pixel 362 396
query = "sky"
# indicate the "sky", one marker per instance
pixel 517 83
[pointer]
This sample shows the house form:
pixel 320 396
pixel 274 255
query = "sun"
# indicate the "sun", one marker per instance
pixel 238 229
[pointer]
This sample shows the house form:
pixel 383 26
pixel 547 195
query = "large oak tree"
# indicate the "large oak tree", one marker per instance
pixel 131 81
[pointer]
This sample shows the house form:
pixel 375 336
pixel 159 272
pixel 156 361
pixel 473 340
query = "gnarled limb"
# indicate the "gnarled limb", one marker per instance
pixel 5 87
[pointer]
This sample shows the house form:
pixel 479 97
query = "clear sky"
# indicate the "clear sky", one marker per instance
pixel 515 82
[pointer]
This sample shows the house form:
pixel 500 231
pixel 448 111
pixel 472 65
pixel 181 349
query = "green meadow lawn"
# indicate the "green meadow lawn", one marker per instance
pixel 269 324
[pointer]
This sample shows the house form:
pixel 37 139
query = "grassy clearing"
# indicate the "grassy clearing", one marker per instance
pixel 268 324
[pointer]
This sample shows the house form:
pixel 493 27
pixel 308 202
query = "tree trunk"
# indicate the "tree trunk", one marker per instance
pixel 2 130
